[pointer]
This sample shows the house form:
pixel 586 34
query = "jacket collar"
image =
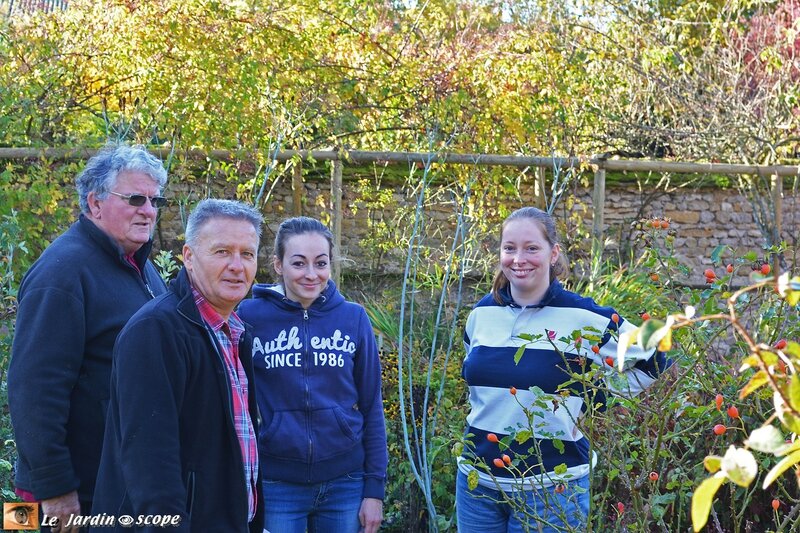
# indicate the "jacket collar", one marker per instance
pixel 553 291
pixel 110 246
pixel 181 287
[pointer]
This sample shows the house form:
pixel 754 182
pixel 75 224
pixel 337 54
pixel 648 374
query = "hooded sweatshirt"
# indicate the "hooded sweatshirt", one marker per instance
pixel 318 379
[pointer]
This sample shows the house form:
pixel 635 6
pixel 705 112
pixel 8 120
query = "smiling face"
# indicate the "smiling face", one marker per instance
pixel 526 257
pixel 128 225
pixel 305 267
pixel 222 262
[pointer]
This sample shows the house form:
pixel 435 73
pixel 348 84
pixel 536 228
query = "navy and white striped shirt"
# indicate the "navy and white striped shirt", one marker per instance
pixel 491 340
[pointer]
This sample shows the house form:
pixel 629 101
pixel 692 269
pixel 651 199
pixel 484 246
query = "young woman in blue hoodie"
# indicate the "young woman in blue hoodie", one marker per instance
pixel 541 483
pixel 322 443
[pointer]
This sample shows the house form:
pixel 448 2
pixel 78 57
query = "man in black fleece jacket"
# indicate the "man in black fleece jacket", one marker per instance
pixel 73 302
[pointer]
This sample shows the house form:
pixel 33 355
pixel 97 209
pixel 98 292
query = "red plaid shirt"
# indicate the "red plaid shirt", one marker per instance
pixel 228 334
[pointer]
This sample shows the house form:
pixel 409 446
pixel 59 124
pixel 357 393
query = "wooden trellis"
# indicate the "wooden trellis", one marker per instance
pixel 599 166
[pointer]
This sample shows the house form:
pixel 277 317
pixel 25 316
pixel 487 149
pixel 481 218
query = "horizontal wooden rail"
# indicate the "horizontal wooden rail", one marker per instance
pixel 363 156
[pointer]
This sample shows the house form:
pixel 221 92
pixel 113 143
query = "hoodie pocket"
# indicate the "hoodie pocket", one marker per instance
pixel 323 433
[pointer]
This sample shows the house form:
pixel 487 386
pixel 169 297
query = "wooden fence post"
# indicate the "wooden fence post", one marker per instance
pixel 777 205
pixel 539 188
pixel 336 197
pixel 598 205
pixel 297 188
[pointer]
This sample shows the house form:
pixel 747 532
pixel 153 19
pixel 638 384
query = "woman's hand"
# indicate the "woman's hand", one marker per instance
pixel 371 514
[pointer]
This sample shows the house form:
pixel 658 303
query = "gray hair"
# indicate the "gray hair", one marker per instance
pixel 101 171
pixel 210 209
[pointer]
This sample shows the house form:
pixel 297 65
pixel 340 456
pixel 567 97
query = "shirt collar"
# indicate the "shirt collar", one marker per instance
pixel 214 319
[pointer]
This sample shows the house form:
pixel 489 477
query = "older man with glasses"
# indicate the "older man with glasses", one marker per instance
pixel 73 302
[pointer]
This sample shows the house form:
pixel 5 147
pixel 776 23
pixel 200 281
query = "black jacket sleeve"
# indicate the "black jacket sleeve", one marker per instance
pixel 43 371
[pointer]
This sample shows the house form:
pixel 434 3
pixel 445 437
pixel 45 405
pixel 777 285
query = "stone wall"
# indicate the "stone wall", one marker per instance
pixel 701 219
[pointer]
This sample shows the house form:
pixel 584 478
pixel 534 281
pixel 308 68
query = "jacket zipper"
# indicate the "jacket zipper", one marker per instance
pixel 307 344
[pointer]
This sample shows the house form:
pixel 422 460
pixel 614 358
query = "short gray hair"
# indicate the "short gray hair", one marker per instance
pixel 101 171
pixel 210 209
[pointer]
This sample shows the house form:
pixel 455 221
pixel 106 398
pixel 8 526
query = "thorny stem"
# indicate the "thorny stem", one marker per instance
pixel 752 346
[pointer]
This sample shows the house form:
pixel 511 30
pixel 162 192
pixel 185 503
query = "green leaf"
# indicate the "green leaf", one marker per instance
pixel 716 254
pixel 785 464
pixel 558 445
pixel 525 336
pixel 702 499
pixel 750 256
pixel 522 436
pixel 518 354
pixel 560 469
pixel 794 392
pixel 651 333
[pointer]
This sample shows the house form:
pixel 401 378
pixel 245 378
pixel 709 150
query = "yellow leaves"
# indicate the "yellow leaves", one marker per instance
pixel 785 463
pixel 702 499
pixel 712 463
pixel 789 288
pixel 759 379
pixel 472 479
pixel 738 465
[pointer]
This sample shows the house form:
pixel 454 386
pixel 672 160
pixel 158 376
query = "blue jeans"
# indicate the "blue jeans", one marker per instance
pixel 331 506
pixel 486 510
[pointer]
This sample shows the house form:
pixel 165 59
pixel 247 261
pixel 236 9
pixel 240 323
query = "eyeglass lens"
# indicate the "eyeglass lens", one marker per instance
pixel 138 200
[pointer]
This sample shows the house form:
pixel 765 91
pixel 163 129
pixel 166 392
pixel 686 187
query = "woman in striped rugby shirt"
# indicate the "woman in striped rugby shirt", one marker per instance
pixel 542 483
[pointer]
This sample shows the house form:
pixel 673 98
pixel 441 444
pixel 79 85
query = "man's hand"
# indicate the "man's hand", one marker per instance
pixel 62 507
pixel 371 514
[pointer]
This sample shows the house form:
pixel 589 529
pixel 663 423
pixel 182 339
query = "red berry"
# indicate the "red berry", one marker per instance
pixel 513 390
pixel 654 276
pixel 781 344
pixel 560 488
pixel 709 280
pixel 491 437
pixel 615 318
pixel 653 476
pixel 609 361
pixel 665 224
pixel 718 401
pixel 620 507
pixel 765 269
pixel 596 348
pixel 655 223
pixel 499 463
pixel 720 429
pixel 645 316
pixel 776 503
pixel 733 411
pixel 729 269
pixel 506 459
pixel 709 273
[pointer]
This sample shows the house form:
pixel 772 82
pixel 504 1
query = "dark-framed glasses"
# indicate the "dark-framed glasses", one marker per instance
pixel 138 200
